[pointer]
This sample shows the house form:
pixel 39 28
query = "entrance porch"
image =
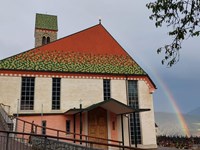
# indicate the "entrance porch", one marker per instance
pixel 103 121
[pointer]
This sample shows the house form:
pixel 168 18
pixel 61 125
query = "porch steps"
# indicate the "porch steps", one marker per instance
pixel 6 122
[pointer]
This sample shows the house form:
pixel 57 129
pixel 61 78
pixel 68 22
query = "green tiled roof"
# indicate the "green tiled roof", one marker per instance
pixel 44 21
pixel 98 53
pixel 66 61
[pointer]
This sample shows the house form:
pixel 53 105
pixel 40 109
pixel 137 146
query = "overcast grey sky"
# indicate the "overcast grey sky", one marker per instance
pixel 128 22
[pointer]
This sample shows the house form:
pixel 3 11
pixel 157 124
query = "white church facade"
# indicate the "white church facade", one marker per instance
pixel 83 83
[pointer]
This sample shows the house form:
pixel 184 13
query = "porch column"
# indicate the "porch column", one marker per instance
pixel 81 119
pixel 122 126
pixel 74 127
pixel 135 130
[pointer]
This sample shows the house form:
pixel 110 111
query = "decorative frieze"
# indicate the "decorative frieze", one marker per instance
pixel 80 76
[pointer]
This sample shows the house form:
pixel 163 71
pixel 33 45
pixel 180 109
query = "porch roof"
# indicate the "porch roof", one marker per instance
pixel 111 105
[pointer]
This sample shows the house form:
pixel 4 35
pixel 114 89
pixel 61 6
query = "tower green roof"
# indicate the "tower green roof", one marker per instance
pixel 44 21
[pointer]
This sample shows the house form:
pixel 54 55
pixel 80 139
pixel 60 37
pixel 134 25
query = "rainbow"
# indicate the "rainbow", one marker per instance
pixel 169 96
pixel 172 100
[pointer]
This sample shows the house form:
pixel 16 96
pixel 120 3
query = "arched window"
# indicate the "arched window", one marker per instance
pixel 48 40
pixel 44 40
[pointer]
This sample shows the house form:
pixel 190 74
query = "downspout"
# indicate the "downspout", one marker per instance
pixel 16 125
pixel 122 126
pixel 81 123
pixel 135 130
pixel 74 128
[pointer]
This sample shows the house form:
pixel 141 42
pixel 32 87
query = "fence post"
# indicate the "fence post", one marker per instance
pixel 7 141
pixel 35 129
pixel 32 130
pixel 57 135
pixel 23 130
pixel 17 123
pixel 45 143
pixel 86 138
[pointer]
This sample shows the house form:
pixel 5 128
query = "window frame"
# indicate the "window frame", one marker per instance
pixel 27 93
pixel 56 94
pixel 106 89
pixel 44 40
pixel 48 40
pixel 44 125
pixel 133 101
pixel 68 126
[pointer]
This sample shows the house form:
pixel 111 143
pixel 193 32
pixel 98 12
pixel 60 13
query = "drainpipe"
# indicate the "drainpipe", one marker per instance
pixel 17 115
pixel 74 127
pixel 81 123
pixel 41 113
pixel 135 130
pixel 122 126
pixel 17 108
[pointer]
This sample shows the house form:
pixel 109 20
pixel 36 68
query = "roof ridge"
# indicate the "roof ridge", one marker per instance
pixel 91 50
pixel 67 36
pixel 45 14
pixel 50 42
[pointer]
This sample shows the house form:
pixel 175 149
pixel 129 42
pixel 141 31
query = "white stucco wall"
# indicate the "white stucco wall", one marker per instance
pixel 43 95
pixel 126 131
pixel 118 90
pixel 147 118
pixel 90 91
pixel 10 91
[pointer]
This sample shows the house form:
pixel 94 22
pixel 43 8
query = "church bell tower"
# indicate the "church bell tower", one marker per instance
pixel 46 29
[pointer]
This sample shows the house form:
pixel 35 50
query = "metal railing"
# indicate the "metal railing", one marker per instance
pixel 46 142
pixel 30 127
pixel 28 137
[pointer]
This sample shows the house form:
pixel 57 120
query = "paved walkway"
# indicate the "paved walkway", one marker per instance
pixel 13 143
pixel 168 148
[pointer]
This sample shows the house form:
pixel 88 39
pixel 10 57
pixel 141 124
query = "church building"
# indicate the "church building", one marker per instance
pixel 83 83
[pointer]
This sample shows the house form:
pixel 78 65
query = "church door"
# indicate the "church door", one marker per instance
pixel 97 126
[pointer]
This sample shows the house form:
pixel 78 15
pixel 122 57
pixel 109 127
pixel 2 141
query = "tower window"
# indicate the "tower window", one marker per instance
pixel 44 40
pixel 48 40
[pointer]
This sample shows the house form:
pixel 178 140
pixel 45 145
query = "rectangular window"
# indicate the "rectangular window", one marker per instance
pixel 106 89
pixel 56 93
pixel 27 93
pixel 133 102
pixel 44 124
pixel 113 125
pixel 68 126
